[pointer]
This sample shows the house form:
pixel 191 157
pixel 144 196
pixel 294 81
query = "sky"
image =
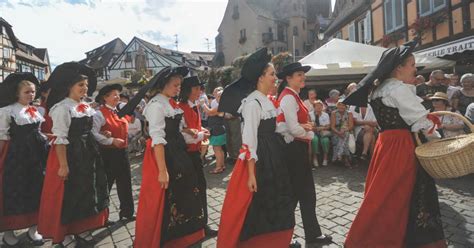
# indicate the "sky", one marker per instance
pixel 69 28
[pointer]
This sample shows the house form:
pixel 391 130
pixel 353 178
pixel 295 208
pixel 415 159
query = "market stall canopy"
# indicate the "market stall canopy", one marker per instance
pixel 341 57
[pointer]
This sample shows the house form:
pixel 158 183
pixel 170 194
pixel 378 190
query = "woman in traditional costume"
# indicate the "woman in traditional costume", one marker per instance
pixel 170 212
pixel 194 134
pixel 294 124
pixel 75 199
pixel 400 206
pixel 23 153
pixel 259 205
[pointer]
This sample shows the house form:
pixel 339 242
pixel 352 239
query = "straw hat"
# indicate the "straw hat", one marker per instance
pixel 440 96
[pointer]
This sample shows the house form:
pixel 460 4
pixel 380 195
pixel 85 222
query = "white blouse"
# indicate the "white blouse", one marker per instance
pixel 254 108
pixel 98 123
pixel 189 139
pixel 62 113
pixel 398 95
pixel 155 113
pixel 18 112
pixel 291 129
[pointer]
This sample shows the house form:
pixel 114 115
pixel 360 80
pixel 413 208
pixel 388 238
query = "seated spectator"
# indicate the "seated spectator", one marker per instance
pixel 135 136
pixel 450 126
pixel 322 133
pixel 465 96
pixel 332 100
pixel 419 80
pixel 454 85
pixel 365 129
pixel 470 112
pixel 309 103
pixel 428 89
pixel 350 88
pixel 341 126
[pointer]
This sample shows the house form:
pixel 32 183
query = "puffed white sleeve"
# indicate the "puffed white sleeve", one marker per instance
pixel 251 113
pixel 61 122
pixel 155 115
pixel 5 120
pixel 189 139
pixel 410 108
pixel 289 106
pixel 97 122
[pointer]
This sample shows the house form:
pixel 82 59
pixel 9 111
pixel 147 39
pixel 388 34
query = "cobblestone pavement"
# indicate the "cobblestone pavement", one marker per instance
pixel 339 194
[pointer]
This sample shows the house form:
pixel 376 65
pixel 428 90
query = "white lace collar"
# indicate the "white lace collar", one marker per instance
pixel 268 109
pixel 77 109
pixel 164 101
pixel 20 114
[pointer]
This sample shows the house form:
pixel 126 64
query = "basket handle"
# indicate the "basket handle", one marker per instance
pixel 464 119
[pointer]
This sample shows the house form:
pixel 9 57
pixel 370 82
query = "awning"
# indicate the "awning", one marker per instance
pixel 449 48
pixel 341 57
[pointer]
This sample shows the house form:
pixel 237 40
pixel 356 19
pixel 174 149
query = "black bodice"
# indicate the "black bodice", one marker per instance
pixel 267 127
pixel 80 127
pixel 387 117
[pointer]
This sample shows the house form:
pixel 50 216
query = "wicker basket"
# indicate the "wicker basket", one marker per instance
pixel 448 158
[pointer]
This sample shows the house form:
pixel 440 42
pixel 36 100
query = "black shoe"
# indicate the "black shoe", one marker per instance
pixel 210 232
pixel 295 244
pixel 82 242
pixel 127 219
pixel 6 244
pixel 321 240
pixel 110 223
pixel 39 242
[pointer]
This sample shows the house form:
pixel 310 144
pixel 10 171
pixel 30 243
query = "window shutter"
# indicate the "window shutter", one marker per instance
pixel 368 27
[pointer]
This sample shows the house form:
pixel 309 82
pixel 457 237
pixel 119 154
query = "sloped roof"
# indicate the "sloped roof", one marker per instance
pixel 9 30
pixel 22 53
pixel 100 57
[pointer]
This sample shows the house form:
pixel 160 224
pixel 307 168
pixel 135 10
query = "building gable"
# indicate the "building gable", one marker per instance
pixel 142 55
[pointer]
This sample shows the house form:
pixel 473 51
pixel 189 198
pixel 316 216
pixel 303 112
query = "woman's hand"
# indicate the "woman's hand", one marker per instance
pixel 63 172
pixel 163 179
pixel 307 127
pixel 252 183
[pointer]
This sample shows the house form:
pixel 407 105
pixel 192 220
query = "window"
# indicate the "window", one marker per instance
pixel 280 32
pixel 394 11
pixel 430 6
pixel 270 30
pixel 243 34
pixel 304 25
pixel 295 7
pixel 338 35
pixel 297 52
pixel 235 14
pixel 352 32
pixel 128 57
pixel 295 31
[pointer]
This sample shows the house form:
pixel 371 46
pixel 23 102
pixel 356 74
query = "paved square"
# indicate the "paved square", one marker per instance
pixel 339 194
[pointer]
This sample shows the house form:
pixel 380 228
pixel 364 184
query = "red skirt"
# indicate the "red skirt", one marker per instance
pixel 49 223
pixel 150 209
pixel 383 216
pixel 234 211
pixel 12 222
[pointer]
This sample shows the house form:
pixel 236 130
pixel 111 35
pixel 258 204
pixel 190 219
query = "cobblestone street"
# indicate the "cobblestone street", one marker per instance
pixel 339 194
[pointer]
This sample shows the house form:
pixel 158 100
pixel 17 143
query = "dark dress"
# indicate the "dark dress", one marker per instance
pixel 272 206
pixel 81 202
pixel 22 176
pixel 400 207
pixel 173 217
pixel 265 218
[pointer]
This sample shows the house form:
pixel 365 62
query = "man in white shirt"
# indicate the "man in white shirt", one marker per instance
pixel 309 103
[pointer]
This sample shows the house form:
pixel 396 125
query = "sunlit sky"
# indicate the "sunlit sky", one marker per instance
pixel 69 28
